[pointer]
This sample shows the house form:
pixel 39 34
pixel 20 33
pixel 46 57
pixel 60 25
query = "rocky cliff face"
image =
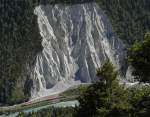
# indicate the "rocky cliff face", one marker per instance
pixel 77 39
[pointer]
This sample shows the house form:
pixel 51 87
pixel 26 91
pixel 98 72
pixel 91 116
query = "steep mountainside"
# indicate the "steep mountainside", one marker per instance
pixel 76 43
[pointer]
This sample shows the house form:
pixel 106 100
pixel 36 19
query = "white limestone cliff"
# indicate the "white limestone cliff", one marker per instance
pixel 77 39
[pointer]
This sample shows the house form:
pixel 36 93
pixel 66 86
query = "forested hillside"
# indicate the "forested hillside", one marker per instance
pixel 20 41
pixel 130 18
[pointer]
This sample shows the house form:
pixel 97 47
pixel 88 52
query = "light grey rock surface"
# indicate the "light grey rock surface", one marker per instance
pixel 77 39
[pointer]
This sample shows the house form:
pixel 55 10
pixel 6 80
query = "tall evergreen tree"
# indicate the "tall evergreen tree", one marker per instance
pixel 139 58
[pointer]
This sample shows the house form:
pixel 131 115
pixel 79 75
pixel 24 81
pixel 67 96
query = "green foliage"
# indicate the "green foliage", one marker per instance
pixel 20 41
pixel 139 98
pixel 139 58
pixel 107 73
pixel 105 98
pixel 17 95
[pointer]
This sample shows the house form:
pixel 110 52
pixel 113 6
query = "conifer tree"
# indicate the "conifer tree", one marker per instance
pixel 139 58
pixel 105 98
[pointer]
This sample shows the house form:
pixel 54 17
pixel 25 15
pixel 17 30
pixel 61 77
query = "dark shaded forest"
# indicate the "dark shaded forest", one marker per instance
pixel 130 18
pixel 20 41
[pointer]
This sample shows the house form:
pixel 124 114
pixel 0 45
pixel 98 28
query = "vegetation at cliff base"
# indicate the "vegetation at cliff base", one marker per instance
pixel 106 98
pixel 139 58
